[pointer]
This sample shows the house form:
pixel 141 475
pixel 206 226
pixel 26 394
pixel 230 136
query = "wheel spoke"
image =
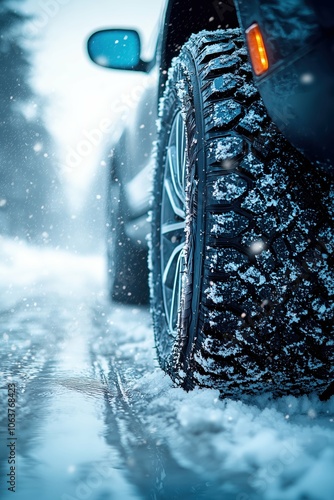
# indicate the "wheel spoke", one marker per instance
pixel 176 227
pixel 173 255
pixel 181 149
pixel 173 200
pixel 174 169
pixel 176 295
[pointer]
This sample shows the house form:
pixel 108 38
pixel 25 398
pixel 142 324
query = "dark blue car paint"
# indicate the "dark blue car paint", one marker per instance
pixel 298 89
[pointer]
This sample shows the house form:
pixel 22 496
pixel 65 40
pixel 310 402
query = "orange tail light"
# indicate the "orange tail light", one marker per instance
pixel 257 50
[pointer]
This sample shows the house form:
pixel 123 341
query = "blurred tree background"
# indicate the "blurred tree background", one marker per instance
pixel 31 198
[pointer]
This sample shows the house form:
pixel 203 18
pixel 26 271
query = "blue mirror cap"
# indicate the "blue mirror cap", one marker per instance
pixel 117 49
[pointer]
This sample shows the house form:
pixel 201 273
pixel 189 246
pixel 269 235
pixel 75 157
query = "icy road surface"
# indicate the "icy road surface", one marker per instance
pixel 96 419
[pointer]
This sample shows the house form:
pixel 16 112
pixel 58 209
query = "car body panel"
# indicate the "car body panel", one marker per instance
pixel 298 88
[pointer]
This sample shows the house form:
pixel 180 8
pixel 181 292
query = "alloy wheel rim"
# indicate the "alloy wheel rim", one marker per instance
pixel 173 221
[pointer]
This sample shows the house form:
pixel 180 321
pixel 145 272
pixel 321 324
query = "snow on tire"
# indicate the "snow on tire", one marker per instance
pixel 242 259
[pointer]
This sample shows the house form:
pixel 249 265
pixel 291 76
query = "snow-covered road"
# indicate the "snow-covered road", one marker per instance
pixel 97 419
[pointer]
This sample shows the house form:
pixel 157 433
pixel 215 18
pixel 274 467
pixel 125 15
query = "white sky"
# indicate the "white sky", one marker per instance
pixel 80 94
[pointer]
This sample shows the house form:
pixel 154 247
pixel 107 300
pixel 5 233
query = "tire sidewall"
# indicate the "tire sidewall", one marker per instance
pixel 175 353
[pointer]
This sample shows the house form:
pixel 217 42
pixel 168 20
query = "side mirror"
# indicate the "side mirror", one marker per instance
pixel 117 49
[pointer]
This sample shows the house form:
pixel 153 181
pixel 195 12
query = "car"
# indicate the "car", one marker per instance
pixel 237 179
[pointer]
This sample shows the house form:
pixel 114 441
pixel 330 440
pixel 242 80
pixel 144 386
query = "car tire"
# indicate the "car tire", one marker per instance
pixel 126 259
pixel 241 252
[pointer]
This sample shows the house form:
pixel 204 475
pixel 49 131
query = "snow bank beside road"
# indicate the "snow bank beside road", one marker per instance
pixel 265 449
pixel 256 449
pixel 46 269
